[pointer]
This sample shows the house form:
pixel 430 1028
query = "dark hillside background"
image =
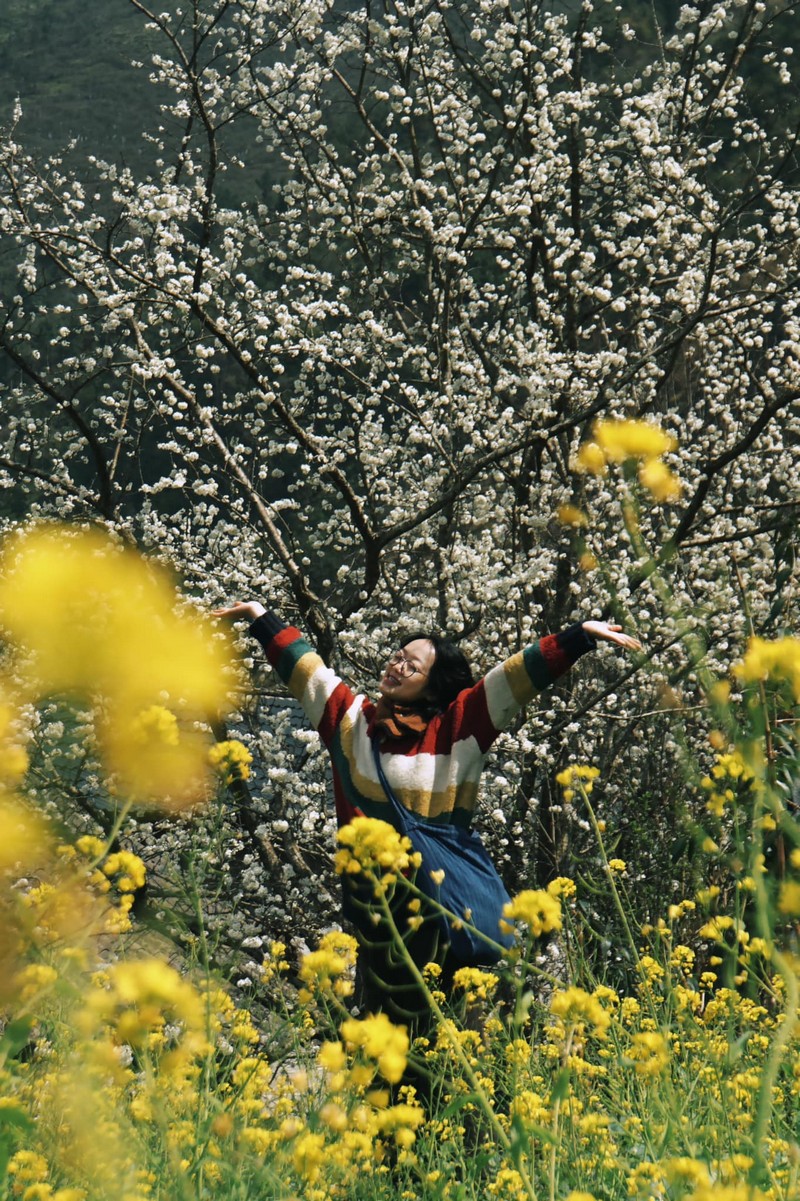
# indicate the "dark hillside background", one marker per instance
pixel 69 62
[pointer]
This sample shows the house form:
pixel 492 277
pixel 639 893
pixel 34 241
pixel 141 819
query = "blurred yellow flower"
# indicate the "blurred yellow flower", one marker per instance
pixel 571 515
pixel 13 756
pixel 141 996
pixel 616 441
pixel 778 660
pixel 381 1041
pixel 28 1167
pixel 86 615
pixel 659 480
pixel 331 1056
pixel 789 898
pixel 23 836
pixel 155 724
pixel 620 440
pixel 590 458
pixel 33 979
pixel 98 618
pixel 308 1154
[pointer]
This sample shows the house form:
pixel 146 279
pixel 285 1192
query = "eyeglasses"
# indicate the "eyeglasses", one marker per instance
pixel 404 666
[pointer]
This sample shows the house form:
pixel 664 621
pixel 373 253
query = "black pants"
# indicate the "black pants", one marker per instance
pixel 384 980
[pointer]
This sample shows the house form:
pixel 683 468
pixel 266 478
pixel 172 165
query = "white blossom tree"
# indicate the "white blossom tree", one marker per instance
pixel 339 349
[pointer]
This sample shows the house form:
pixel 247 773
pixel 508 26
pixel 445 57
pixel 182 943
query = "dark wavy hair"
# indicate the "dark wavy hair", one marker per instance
pixel 450 674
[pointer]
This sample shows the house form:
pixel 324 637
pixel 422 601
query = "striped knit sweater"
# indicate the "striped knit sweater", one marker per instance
pixel 436 773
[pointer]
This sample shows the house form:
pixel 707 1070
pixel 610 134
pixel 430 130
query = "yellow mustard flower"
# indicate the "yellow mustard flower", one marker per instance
pixel 28 1167
pixel 275 961
pixel 649 1053
pixel 576 1006
pixel 508 1185
pixel 231 760
pixel 529 1107
pixel 540 912
pixel 308 1154
pixel 578 776
pixel 129 869
pixel 325 968
pixel 683 1170
pixel 562 887
pixel 369 844
pixel 682 959
pixel 475 982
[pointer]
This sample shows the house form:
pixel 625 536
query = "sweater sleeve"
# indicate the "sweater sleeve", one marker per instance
pixel 325 698
pixel 481 712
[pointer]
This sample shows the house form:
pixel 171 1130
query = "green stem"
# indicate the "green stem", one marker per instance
pixel 452 1038
pixel 554 1147
pixel 614 890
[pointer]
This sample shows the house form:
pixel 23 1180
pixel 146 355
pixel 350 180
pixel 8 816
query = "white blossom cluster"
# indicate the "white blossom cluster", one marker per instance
pixel 339 349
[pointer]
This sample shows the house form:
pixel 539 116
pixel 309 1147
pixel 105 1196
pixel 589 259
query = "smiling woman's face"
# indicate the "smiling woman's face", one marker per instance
pixel 400 682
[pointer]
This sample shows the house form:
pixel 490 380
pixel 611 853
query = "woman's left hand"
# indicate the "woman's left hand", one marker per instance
pixel 611 633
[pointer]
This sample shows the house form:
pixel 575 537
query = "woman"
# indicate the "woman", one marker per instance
pixel 434 728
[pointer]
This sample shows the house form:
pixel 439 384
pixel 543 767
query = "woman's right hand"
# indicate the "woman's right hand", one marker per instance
pixel 241 611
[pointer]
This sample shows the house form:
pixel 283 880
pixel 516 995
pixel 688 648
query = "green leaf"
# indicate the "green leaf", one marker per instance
pixel 15 1036
pixel 18 1118
pixel 458 1103
pixel 560 1090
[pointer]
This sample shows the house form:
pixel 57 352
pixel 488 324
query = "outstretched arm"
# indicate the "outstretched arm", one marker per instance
pixel 242 611
pixel 487 708
pixel 611 633
pixel 323 695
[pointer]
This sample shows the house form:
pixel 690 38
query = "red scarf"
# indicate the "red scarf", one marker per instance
pixel 397 721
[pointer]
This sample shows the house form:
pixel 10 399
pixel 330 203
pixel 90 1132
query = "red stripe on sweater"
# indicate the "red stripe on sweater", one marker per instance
pixel 282 639
pixel 345 811
pixel 467 717
pixel 335 708
pixel 557 661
